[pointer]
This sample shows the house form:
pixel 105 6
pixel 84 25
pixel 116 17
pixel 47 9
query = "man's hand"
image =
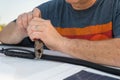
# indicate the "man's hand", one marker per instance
pixel 23 20
pixel 15 32
pixel 44 30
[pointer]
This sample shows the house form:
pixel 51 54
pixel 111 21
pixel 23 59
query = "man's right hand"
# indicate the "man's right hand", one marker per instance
pixel 23 20
pixel 15 32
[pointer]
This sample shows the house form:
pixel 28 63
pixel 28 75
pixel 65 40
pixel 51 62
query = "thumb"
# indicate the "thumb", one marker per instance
pixel 36 13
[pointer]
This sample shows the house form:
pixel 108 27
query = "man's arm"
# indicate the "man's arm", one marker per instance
pixel 11 34
pixel 103 52
pixel 15 32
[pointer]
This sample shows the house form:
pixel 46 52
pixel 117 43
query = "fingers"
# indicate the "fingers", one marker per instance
pixel 36 13
pixel 35 35
pixel 37 21
pixel 25 18
pixel 36 25
pixel 19 21
pixel 22 20
pixel 30 16
pixel 32 29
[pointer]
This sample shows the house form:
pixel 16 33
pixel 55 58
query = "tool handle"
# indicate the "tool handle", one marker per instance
pixel 38 48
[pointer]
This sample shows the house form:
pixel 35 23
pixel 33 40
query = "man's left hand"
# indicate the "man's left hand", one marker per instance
pixel 43 29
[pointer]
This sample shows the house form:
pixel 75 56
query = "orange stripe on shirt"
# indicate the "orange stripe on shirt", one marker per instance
pixel 85 31
pixel 103 36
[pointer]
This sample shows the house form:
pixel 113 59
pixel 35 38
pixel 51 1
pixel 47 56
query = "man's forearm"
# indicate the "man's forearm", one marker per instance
pixel 102 52
pixel 9 34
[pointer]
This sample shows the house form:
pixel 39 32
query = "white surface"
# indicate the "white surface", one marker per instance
pixel 11 9
pixel 12 68
pixel 25 69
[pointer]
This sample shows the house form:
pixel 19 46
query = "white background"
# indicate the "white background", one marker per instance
pixel 10 9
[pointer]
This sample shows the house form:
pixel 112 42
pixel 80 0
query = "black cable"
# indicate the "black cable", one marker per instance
pixel 82 63
pixel 23 53
pixel 16 52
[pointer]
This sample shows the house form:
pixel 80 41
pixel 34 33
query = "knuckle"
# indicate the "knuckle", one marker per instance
pixel 30 16
pixel 36 12
pixel 24 17
pixel 19 21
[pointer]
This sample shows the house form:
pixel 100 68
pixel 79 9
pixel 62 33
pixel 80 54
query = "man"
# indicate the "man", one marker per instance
pixel 85 29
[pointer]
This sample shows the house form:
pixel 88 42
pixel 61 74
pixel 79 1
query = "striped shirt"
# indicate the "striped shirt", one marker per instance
pixel 99 22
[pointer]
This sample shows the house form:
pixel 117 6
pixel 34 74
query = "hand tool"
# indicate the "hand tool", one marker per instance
pixel 38 48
